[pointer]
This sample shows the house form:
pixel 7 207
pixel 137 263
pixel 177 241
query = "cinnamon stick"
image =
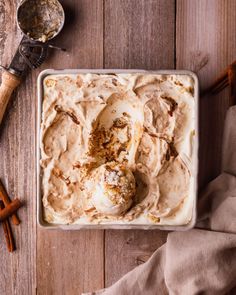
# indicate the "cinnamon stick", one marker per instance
pixel 232 82
pixel 7 231
pixel 6 201
pixel 10 209
pixel 221 82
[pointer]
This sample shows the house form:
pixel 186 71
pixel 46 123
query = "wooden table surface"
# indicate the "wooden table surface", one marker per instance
pixel 145 34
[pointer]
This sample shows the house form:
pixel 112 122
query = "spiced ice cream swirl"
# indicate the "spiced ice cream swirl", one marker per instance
pixel 118 148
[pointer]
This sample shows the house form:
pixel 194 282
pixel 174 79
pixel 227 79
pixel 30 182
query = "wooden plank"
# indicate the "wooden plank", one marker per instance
pixel 126 249
pixel 138 34
pixel 206 43
pixel 17 145
pixel 72 262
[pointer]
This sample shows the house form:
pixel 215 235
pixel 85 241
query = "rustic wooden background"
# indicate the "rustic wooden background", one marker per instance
pixel 151 34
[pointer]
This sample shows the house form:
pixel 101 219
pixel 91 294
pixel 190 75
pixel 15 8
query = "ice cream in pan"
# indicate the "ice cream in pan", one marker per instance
pixel 118 149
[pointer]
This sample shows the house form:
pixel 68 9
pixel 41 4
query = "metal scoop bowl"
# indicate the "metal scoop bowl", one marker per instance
pixel 40 20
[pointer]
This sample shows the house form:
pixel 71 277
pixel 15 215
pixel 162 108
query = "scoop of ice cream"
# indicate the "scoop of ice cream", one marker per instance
pixel 112 188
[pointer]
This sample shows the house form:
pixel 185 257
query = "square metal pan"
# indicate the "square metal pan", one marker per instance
pixel 40 219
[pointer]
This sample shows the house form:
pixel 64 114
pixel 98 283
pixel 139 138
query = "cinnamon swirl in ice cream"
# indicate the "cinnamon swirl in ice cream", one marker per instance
pixel 118 148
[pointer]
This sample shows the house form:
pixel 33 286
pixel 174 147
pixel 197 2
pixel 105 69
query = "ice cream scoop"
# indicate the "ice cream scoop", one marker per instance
pixel 112 188
pixel 40 20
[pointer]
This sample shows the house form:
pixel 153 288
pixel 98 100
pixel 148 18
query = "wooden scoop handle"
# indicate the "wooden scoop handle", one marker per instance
pixel 9 83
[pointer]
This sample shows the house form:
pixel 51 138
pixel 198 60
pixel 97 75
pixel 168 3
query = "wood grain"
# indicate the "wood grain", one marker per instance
pixel 206 43
pixel 134 34
pixel 135 37
pixel 17 145
pixel 72 262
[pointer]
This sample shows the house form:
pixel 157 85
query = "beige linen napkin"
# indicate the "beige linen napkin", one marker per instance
pixel 202 260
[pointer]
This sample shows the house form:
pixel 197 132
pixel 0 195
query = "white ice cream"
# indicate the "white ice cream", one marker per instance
pixel 112 188
pixel 142 126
